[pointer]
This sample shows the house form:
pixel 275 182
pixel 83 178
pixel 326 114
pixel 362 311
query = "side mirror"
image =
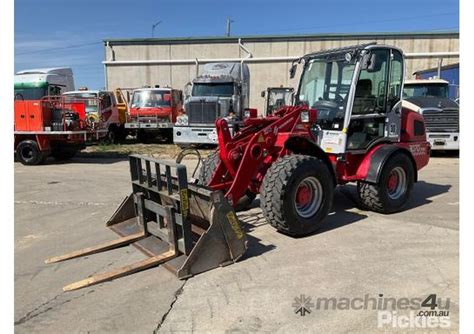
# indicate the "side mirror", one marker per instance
pixel 262 94
pixel 292 71
pixel 187 89
pixel 369 62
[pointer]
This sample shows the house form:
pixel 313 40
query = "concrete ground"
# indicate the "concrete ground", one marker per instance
pixel 63 207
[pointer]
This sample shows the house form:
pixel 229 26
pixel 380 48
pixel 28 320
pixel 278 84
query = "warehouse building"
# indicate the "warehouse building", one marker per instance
pixel 132 63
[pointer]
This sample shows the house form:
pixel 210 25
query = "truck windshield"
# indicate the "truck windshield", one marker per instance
pixel 425 90
pixel 278 98
pixel 324 86
pixel 90 100
pixel 30 93
pixel 213 89
pixel 151 99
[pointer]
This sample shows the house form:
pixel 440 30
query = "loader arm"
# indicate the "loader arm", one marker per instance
pixel 245 158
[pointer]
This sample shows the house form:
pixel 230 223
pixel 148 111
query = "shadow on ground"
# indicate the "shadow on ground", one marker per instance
pixel 341 215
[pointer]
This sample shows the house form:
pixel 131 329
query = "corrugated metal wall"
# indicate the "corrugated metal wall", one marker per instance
pixel 263 74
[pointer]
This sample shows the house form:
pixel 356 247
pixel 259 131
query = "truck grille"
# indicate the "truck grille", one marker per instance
pixel 446 120
pixel 202 112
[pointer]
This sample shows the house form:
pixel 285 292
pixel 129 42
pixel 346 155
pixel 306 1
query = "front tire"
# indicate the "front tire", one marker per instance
pixel 29 153
pixel 393 190
pixel 297 194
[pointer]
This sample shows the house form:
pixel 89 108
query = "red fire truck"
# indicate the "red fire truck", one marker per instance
pixel 153 112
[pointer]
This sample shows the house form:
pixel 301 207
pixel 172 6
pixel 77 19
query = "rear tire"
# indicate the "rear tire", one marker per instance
pixel 297 194
pixel 393 190
pixel 29 153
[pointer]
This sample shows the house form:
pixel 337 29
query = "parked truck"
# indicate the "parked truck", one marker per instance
pixel 47 123
pixel 220 91
pixel 102 111
pixel 153 111
pixel 36 83
pixel 276 98
pixel 441 114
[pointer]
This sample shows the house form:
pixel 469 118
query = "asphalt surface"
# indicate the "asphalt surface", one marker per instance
pixel 63 207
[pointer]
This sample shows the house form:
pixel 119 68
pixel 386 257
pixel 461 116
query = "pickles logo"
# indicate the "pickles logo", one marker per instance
pixel 234 223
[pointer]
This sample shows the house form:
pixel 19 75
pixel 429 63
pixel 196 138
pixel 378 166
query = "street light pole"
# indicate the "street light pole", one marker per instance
pixel 227 26
pixel 153 28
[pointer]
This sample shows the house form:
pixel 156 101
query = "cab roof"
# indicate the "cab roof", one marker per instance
pixel 426 81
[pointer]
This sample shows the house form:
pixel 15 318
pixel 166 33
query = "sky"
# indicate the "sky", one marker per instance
pixel 52 33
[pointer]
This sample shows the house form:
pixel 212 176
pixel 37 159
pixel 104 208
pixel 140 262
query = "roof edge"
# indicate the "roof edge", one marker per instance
pixel 256 38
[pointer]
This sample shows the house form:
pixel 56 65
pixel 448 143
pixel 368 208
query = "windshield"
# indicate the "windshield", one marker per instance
pixel 151 99
pixel 213 89
pixel 30 93
pixel 278 98
pixel 324 86
pixel 425 90
pixel 90 99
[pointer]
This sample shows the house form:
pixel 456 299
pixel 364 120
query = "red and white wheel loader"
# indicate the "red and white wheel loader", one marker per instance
pixel 347 125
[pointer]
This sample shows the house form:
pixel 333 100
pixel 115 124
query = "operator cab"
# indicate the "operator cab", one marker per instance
pixel 356 92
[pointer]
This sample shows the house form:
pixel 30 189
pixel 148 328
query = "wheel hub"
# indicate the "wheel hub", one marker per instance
pixel 397 183
pixel 27 152
pixel 308 197
pixel 303 195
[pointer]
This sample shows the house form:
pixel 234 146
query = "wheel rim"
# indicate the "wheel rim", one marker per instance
pixel 308 197
pixel 26 153
pixel 397 183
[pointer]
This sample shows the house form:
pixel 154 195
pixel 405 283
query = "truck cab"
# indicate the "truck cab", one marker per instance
pixel 153 111
pixel 101 111
pixel 34 84
pixel 429 97
pixel 277 97
pixel 220 91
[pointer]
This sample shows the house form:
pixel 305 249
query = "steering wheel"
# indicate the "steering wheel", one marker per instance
pixel 339 99
pixel 326 104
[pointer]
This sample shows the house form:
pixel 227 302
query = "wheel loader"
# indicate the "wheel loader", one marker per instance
pixel 347 125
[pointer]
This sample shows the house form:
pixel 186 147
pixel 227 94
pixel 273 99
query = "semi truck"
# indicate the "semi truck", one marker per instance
pixel 221 91
pixel 431 99
pixel 153 111
pixel 36 83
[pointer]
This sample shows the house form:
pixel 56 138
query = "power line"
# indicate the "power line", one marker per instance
pixel 60 48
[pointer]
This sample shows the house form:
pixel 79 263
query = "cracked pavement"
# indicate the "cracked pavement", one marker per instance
pixel 63 207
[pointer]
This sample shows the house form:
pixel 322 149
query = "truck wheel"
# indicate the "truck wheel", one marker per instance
pixel 29 153
pixel 208 167
pixel 112 134
pixel 296 194
pixel 393 190
pixel 143 137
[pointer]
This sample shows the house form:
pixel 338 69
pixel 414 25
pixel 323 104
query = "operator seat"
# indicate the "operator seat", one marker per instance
pixel 364 101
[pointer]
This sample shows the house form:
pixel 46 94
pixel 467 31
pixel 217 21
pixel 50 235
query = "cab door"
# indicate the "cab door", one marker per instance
pixel 375 115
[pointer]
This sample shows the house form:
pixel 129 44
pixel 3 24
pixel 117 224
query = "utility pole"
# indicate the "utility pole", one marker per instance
pixel 153 26
pixel 227 26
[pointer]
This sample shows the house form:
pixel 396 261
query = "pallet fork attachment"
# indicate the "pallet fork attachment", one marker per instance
pixel 187 228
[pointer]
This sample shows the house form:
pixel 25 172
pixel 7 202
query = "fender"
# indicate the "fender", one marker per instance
pixel 303 145
pixel 379 157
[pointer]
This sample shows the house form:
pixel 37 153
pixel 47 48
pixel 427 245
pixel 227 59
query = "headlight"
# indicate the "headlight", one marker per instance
pixel 182 120
pixel 304 116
